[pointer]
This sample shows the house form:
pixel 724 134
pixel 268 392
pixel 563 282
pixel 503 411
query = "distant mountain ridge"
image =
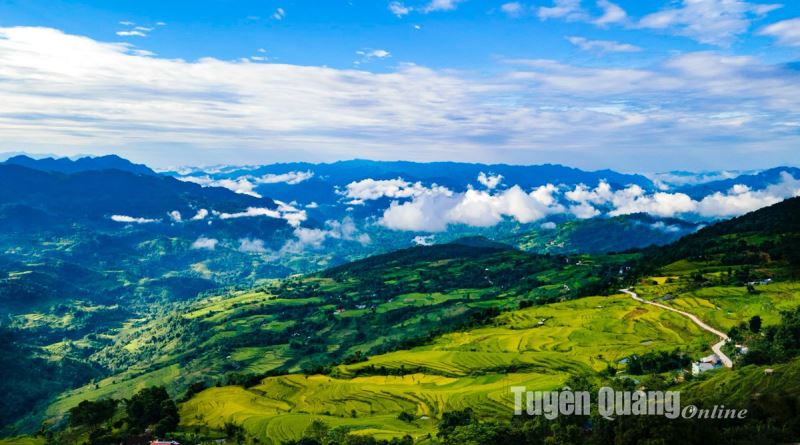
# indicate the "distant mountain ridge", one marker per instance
pixel 67 165
pixel 102 193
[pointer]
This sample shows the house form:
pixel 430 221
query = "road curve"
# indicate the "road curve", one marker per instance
pixel 717 347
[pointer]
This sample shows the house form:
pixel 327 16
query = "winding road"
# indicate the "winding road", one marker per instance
pixel 717 347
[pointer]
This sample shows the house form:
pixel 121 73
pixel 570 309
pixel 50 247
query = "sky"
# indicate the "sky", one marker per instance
pixel 623 84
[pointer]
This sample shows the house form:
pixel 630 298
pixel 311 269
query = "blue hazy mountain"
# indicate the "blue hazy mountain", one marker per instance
pixel 99 194
pixel 67 165
pixel 755 181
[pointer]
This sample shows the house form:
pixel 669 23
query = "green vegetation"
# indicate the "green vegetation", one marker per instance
pixel 423 344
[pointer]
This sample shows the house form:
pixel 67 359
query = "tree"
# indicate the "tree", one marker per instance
pixel 755 324
pixel 318 430
pixel 92 414
pixel 153 407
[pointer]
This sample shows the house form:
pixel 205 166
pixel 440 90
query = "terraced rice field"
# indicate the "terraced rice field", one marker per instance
pixel 538 348
pixel 727 306
pixel 281 408
pixel 571 337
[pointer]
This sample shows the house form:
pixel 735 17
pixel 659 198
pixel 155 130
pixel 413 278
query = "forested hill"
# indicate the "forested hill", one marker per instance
pixel 766 235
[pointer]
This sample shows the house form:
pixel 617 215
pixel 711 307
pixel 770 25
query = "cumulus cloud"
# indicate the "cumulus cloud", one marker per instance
pixel 132 220
pixel 371 189
pixel 603 46
pixel 435 211
pixel 314 237
pixel 175 216
pixel 489 181
pixel 741 199
pixel 738 200
pixel 584 210
pixel 715 22
pixel 549 225
pixel 203 243
pixel 786 32
pixel 251 245
pixel 200 215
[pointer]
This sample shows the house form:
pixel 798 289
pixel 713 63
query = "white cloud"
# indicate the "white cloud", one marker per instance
pixel 314 237
pixel 433 212
pixel 292 215
pixel 175 216
pixel 254 245
pixel 548 225
pixel 203 243
pixel 489 181
pixel 240 185
pixel 786 32
pixel 83 95
pixel 423 240
pixel 603 46
pixel 634 200
pixel 368 55
pixel 666 181
pixel 126 23
pixel 132 33
pixel 370 189
pixel 312 205
pixel 584 210
pixel 252 212
pixel 246 184
pixel 200 215
pixel 399 9
pixel 740 199
pixel 132 220
pixel 715 22
pixel 737 201
pixel 612 13
pixel 569 10
pixel 663 227
pixel 279 14
pixel 441 5
pixel 291 178
pixel 512 9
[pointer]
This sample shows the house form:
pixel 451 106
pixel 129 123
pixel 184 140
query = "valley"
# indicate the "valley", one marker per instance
pixel 385 342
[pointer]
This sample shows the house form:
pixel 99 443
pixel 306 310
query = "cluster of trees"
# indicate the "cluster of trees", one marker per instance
pixel 657 362
pixel 770 419
pixel 319 433
pixel 108 421
pixel 772 344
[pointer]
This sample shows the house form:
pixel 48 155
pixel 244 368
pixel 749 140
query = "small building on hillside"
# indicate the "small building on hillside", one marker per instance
pixel 706 364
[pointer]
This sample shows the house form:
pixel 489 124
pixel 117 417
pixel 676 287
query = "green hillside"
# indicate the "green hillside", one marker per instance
pixel 404 343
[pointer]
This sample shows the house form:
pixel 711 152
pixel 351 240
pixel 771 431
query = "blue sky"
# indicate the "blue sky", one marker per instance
pixel 632 85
